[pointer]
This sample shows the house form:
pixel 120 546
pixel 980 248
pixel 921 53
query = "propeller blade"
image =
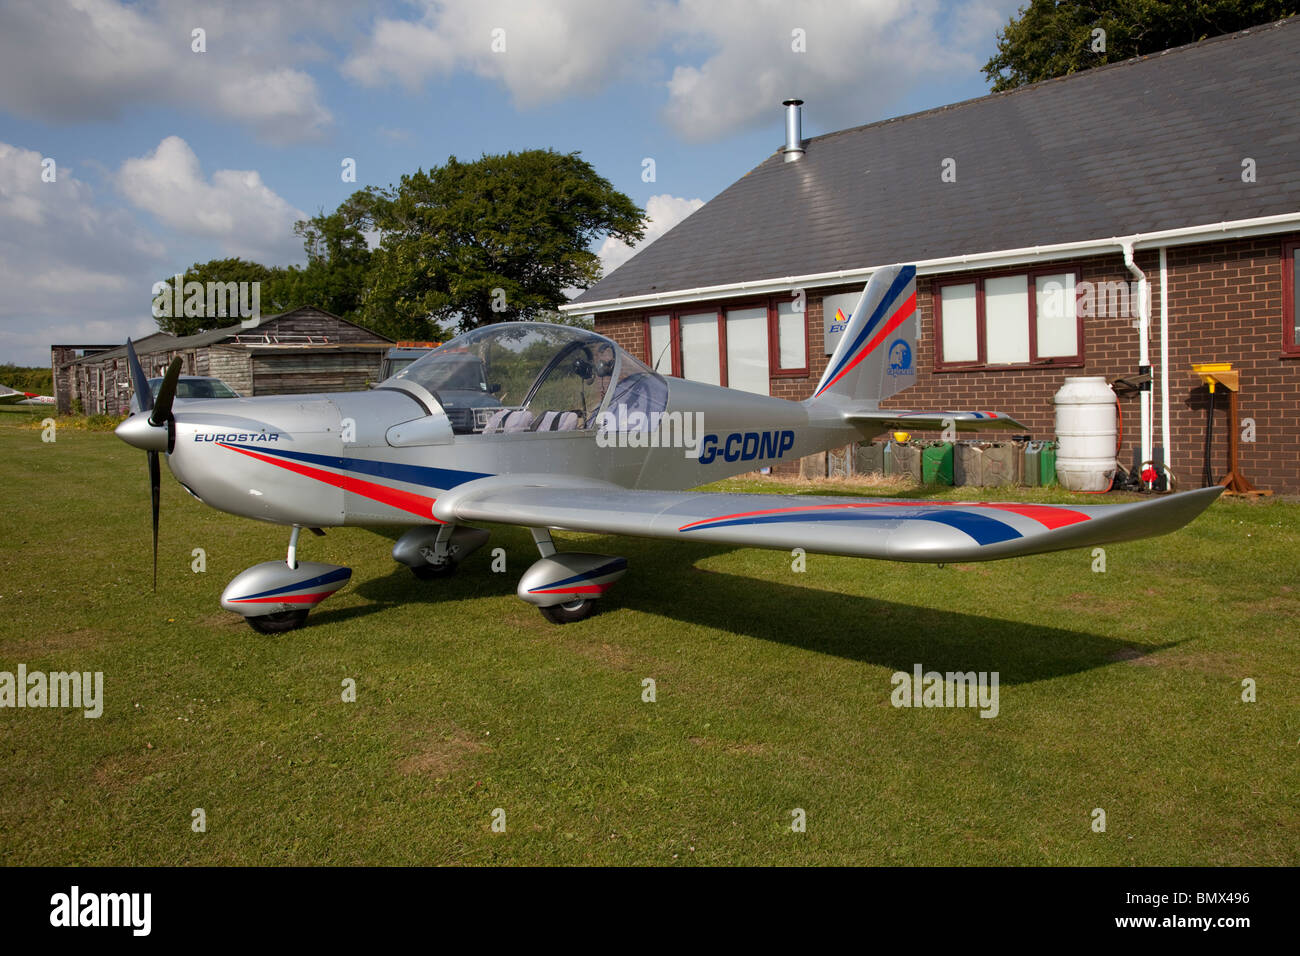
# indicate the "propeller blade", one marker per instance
pixel 162 409
pixel 139 381
pixel 155 489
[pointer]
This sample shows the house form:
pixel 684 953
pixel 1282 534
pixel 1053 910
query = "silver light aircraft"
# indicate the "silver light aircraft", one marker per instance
pixel 551 427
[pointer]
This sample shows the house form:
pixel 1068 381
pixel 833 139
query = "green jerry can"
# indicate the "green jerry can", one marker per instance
pixel 1047 464
pixel 936 464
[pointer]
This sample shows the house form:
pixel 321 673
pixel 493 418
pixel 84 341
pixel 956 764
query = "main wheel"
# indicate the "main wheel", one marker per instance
pixel 277 623
pixel 568 613
pixel 431 572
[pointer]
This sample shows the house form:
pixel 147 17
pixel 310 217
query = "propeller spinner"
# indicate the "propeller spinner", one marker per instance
pixel 152 428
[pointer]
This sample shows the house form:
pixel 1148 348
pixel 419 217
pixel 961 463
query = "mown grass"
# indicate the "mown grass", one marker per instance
pixel 1119 690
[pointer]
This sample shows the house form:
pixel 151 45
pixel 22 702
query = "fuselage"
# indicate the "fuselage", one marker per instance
pixel 383 456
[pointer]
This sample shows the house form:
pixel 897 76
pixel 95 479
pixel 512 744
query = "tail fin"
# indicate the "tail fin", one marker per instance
pixel 876 356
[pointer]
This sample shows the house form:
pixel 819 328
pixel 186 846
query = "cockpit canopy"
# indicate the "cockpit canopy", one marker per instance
pixel 532 376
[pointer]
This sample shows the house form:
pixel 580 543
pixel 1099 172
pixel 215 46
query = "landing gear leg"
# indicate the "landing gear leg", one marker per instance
pixel 440 564
pixel 434 551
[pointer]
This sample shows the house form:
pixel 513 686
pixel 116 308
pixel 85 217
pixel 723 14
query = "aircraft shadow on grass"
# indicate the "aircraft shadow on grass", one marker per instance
pixel 885 631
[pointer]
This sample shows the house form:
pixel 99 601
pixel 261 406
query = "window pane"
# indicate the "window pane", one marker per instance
pixel 700 357
pixel 960 343
pixel 791 337
pixel 1295 293
pixel 747 350
pixel 661 358
pixel 1006 320
pixel 1058 332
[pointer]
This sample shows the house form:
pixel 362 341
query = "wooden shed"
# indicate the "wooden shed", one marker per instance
pixel 303 350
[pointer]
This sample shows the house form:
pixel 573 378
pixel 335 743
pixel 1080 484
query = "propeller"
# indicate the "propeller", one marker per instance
pixel 152 428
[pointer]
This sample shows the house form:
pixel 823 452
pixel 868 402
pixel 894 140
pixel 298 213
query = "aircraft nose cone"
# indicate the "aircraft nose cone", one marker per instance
pixel 138 432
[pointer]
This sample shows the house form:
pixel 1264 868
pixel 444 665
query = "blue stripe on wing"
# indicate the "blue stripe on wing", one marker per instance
pixel 984 529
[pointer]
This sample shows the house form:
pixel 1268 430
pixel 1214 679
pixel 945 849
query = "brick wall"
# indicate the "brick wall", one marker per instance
pixel 1225 305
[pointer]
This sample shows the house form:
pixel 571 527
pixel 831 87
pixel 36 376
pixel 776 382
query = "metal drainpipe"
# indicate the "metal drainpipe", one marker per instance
pixel 1144 358
pixel 1165 439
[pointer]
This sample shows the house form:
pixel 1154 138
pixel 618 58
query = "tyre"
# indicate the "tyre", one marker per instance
pixel 431 572
pixel 568 613
pixel 277 623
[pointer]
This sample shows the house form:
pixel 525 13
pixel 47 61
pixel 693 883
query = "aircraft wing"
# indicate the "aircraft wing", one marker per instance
pixel 888 419
pixel 886 528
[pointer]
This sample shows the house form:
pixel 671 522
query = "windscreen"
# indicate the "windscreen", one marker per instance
pixel 555 376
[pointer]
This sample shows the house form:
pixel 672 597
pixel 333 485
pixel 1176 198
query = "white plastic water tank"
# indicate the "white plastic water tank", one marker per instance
pixel 1085 432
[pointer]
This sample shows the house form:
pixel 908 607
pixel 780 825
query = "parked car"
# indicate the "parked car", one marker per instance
pixel 402 355
pixel 190 387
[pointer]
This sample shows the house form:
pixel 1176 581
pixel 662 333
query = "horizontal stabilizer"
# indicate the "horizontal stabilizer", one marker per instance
pixel 892 419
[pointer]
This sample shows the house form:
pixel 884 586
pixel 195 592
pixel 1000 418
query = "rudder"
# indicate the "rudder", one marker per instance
pixel 876 356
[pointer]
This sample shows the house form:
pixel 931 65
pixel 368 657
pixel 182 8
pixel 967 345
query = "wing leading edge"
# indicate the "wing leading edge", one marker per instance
pixel 885 528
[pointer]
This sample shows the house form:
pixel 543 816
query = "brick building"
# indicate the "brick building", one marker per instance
pixel 1035 218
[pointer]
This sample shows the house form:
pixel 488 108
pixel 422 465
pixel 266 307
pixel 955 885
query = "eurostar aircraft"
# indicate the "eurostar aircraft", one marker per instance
pixel 551 427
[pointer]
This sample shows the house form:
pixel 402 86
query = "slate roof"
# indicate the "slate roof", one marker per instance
pixel 1151 143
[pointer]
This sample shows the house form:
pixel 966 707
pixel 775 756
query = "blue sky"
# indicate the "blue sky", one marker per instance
pixel 166 156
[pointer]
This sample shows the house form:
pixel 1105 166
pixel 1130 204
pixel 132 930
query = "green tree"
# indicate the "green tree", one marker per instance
pixel 215 270
pixel 338 259
pixel 1050 38
pixel 498 239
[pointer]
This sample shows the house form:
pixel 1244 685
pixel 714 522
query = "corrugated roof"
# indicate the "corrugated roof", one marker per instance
pixel 166 342
pixel 1152 143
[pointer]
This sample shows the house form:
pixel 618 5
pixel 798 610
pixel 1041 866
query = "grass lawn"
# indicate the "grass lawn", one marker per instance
pixel 1119 690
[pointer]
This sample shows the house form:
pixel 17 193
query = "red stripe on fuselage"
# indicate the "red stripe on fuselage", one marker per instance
pixel 394 497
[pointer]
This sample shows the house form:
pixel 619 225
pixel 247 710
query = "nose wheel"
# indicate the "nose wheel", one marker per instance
pixel 569 613
pixel 276 596
pixel 277 623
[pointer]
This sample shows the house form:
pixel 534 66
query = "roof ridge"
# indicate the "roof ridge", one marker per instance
pixel 1038 84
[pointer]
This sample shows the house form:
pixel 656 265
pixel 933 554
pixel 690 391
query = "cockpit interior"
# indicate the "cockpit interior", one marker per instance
pixel 522 377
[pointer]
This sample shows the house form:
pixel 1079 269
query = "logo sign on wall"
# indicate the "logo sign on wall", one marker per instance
pixel 836 310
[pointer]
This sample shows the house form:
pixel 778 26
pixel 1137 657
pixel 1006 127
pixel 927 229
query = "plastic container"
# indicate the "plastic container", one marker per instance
pixel 1085 433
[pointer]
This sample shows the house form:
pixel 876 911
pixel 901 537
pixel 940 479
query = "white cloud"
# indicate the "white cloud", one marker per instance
pixel 72 269
pixel 79 60
pixel 552 50
pixel 664 211
pixel 236 208
pixel 735 60
pixel 859 58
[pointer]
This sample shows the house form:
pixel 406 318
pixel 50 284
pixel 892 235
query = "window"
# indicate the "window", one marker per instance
pixel 1291 298
pixel 747 348
pixel 742 345
pixel 660 329
pixel 701 357
pixel 791 351
pixel 1008 321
